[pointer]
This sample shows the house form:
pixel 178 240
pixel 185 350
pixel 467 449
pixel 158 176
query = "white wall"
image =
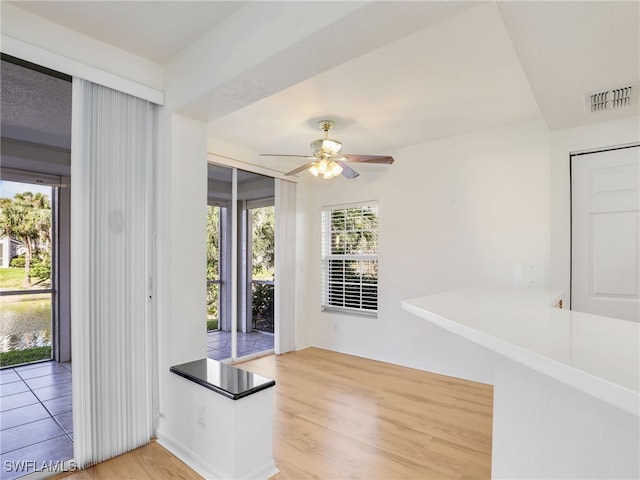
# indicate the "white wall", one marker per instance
pixel 563 143
pixel 471 210
pixel 48 44
pixel 181 196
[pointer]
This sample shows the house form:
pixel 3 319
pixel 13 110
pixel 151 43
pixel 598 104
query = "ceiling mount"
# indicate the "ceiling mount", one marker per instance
pixel 325 126
pixel 327 161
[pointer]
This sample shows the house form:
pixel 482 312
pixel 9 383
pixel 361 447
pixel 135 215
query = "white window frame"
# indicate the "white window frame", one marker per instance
pixel 367 258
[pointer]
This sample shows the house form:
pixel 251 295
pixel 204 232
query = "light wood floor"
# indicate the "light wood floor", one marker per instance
pixel 343 417
pixel 151 462
pixel 339 416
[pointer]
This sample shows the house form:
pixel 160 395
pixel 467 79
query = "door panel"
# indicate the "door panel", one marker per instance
pixel 605 260
pixel 614 256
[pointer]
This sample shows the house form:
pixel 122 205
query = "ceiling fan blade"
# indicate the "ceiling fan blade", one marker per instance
pixel 347 171
pixel 370 158
pixel 281 155
pixel 301 168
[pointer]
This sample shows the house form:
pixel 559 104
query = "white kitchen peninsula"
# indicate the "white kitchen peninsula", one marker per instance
pixel 566 384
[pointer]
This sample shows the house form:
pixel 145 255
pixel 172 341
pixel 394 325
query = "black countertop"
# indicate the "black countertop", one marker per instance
pixel 232 382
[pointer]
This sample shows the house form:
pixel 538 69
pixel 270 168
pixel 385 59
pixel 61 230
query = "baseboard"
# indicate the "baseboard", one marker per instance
pixel 304 347
pixel 264 472
pixel 204 468
pixel 403 363
pixel 192 459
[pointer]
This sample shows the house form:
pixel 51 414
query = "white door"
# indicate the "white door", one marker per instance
pixel 605 233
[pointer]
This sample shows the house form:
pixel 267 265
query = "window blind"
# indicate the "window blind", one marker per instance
pixel 350 258
pixel 112 329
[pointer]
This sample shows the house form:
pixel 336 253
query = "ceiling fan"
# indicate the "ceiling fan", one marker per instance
pixel 326 159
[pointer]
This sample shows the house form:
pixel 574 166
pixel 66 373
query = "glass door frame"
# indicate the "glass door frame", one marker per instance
pixel 59 290
pixel 230 275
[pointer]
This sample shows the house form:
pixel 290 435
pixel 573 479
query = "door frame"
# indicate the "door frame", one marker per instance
pixel 576 155
pixel 235 298
pixel 60 254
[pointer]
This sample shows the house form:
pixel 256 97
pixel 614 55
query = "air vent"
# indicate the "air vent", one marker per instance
pixel 609 99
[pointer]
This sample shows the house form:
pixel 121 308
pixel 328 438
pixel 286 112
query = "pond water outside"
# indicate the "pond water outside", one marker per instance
pixel 25 321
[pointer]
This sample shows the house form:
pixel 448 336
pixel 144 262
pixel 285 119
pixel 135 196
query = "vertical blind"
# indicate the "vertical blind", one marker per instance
pixel 350 258
pixel 285 266
pixel 110 265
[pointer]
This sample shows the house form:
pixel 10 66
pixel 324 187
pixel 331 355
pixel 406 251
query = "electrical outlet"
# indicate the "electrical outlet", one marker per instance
pixel 202 414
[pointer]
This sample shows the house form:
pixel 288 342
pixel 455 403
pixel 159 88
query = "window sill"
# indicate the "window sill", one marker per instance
pixel 348 311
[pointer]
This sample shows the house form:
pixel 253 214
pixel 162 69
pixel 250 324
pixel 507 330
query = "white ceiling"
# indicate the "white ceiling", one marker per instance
pixel 153 30
pixel 35 105
pixel 456 76
pixel 461 67
pixel 568 49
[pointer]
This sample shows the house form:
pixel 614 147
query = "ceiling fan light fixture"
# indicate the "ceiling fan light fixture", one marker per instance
pixel 323 166
pixel 328 169
pixel 326 159
pixel 326 146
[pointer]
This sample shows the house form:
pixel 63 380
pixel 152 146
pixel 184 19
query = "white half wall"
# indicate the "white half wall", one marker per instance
pixel 471 210
pixel 563 143
pixel 546 429
pixel 222 438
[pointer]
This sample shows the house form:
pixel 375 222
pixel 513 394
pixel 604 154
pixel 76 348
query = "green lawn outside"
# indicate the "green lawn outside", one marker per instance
pixel 18 357
pixel 13 279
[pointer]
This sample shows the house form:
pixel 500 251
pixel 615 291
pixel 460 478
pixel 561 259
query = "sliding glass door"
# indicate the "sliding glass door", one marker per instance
pixel 240 263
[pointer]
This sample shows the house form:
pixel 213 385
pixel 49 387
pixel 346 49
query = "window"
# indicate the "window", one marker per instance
pixel 350 258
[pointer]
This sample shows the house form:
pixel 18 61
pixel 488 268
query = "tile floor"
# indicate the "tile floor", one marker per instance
pixel 219 343
pixel 36 423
